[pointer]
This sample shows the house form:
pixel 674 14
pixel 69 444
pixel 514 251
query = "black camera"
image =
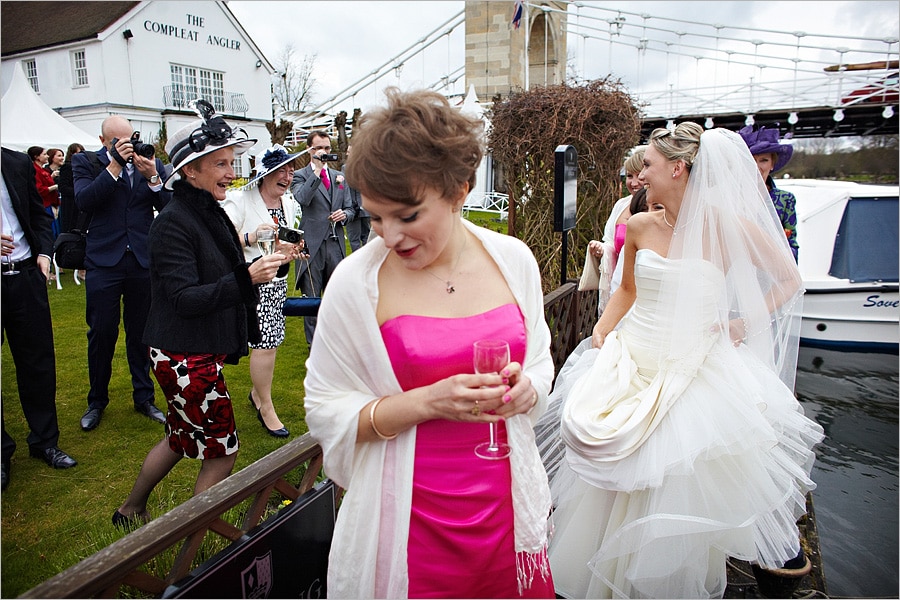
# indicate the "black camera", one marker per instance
pixel 291 236
pixel 328 157
pixel 140 148
pixel 145 150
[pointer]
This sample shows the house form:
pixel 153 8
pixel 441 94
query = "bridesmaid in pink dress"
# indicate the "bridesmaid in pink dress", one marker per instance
pixel 460 502
pixel 394 399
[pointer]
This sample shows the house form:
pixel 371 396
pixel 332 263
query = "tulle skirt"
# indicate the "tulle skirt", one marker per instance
pixel 724 472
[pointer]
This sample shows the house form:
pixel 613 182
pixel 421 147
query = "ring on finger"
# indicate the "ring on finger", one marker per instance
pixel 476 410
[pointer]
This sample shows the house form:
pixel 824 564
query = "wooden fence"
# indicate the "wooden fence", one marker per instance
pixel 570 315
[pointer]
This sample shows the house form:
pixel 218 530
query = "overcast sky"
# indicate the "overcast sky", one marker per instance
pixel 351 38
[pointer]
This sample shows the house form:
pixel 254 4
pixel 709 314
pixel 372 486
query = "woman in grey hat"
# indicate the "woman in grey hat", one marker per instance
pixel 202 309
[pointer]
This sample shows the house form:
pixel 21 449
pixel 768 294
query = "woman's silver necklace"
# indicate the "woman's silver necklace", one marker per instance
pixel 666 220
pixel 450 288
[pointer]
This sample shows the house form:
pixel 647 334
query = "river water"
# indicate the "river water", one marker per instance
pixel 854 397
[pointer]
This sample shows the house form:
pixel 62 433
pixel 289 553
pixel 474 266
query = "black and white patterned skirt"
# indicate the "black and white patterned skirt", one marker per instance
pixel 270 315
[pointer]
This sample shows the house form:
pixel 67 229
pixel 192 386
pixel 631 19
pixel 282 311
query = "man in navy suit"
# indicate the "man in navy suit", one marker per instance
pixel 327 207
pixel 120 199
pixel 27 244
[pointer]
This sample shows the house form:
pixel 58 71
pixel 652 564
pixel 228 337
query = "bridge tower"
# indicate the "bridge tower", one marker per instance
pixel 496 50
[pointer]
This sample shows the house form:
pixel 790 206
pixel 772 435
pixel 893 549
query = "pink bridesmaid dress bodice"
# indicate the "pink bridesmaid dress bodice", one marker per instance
pixel 461 540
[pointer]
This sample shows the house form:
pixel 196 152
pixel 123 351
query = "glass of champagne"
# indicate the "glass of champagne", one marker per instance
pixel 490 356
pixel 265 239
pixel 9 267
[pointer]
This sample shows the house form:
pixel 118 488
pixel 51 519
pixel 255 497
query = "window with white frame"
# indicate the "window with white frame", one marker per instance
pixel 31 74
pixel 184 85
pixel 212 87
pixel 190 83
pixel 238 166
pixel 79 68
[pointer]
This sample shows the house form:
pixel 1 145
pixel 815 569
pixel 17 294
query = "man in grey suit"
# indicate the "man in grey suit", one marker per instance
pixel 326 204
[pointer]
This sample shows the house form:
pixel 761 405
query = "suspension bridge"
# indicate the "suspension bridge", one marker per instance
pixel 812 84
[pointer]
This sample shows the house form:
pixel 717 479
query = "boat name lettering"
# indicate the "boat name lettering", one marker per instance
pixel 873 300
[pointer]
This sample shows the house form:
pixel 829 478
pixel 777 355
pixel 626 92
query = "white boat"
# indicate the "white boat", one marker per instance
pixel 848 237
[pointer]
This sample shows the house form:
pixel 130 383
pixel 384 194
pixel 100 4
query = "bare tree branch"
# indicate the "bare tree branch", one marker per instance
pixel 602 121
pixel 294 89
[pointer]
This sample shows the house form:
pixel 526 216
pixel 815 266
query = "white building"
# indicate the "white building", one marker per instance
pixel 142 60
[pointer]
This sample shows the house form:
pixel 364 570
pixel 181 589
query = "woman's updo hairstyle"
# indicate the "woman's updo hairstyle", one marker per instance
pixel 634 164
pixel 682 143
pixel 418 141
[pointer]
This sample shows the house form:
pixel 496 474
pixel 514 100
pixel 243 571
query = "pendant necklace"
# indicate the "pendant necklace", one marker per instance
pixel 666 220
pixel 448 282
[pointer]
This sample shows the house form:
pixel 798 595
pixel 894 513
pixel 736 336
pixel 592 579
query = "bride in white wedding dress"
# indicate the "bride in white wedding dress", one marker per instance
pixel 683 441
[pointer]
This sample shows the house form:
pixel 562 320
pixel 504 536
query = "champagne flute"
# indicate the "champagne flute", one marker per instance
pixel 265 239
pixel 10 265
pixel 490 356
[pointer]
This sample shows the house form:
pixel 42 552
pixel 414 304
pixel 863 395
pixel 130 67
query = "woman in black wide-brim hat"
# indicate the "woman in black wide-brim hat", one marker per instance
pixel 202 309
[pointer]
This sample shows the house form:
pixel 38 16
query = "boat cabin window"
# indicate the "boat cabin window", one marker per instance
pixel 866 245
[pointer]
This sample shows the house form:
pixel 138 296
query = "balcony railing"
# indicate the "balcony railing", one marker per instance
pixel 228 103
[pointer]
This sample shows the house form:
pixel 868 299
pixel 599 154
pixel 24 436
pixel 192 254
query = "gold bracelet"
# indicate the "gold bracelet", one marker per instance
pixel 372 421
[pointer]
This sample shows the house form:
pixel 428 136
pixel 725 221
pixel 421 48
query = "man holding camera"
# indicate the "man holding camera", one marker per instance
pixel 119 188
pixel 327 207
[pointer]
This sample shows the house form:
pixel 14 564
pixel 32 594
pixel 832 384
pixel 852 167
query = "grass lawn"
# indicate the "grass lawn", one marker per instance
pixel 53 519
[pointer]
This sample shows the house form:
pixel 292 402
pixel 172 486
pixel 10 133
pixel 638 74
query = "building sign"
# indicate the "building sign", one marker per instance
pixel 186 31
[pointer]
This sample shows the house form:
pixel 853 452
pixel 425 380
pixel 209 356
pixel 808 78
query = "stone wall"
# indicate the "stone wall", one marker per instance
pixel 495 51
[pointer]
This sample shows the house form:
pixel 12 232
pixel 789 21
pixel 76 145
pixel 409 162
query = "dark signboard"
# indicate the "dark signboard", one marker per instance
pixel 285 557
pixel 565 187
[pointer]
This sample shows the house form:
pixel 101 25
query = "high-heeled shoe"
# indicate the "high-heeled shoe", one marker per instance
pixel 279 433
pixel 120 521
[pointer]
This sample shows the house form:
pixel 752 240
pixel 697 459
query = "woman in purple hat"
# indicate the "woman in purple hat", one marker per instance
pixel 770 156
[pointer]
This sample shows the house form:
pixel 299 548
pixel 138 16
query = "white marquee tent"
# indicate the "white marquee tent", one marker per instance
pixel 472 108
pixel 28 121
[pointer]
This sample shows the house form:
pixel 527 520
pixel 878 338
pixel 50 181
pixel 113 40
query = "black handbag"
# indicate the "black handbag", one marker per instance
pixel 302 306
pixel 69 248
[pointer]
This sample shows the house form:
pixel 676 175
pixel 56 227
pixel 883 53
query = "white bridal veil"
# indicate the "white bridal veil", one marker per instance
pixel 727 219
